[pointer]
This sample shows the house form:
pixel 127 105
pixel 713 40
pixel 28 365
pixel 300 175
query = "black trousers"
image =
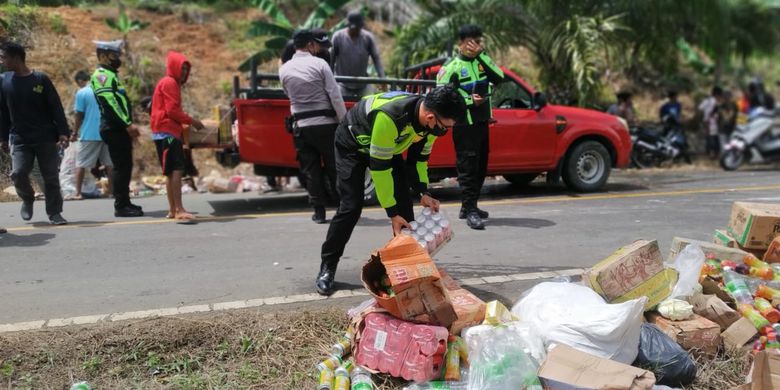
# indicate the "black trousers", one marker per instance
pixel 316 156
pixel 351 170
pixel 472 146
pixel 23 157
pixel 120 147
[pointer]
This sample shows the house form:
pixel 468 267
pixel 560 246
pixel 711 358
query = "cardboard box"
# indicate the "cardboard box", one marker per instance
pixel 772 254
pixel 765 373
pixel 720 252
pixel 632 271
pixel 209 136
pixel 721 237
pixel 710 286
pixel 469 309
pixel 697 334
pixel 419 293
pixel 566 368
pixel 714 309
pixel 754 225
pixel 739 334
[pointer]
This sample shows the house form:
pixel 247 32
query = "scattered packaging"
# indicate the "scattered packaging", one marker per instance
pixel 772 254
pixel 500 360
pixel 698 334
pixel 765 374
pixel 469 309
pixel 714 309
pixel 633 271
pixel 675 309
pixel 496 313
pixel 717 250
pixel 431 230
pixel 739 334
pixel 418 293
pixel 754 225
pixel 567 368
pixel 670 363
pixel 721 237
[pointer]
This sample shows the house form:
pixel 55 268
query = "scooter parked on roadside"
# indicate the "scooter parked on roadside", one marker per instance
pixel 654 146
pixel 757 141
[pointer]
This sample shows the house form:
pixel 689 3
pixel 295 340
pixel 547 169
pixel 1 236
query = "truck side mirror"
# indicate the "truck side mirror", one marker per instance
pixel 539 101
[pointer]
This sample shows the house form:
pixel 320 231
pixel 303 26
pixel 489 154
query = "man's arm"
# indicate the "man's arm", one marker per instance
pixel 334 93
pixel 55 106
pixel 5 118
pixel 383 136
pixel 110 109
pixel 380 70
pixel 421 186
pixel 493 72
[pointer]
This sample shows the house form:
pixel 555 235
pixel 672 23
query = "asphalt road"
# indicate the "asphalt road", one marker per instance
pixel 256 246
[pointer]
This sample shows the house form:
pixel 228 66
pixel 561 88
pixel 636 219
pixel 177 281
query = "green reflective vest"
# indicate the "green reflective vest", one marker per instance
pixel 472 76
pixel 115 109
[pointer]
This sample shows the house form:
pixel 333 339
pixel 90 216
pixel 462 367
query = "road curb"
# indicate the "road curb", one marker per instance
pixel 252 303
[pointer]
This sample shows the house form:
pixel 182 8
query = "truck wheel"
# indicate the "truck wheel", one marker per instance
pixel 369 191
pixel 587 167
pixel 521 179
pixel 732 159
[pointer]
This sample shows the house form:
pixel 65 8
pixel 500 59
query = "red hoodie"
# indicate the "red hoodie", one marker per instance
pixel 167 114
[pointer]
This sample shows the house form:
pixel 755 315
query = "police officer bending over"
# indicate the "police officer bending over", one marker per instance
pixel 374 135
pixel 317 108
pixel 472 72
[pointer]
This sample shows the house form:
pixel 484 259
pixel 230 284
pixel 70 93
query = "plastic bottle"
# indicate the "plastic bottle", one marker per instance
pixel 737 287
pixel 754 316
pixel 438 385
pixel 452 361
pixel 81 386
pixel 361 379
pixel 766 310
pixel 342 379
pixel 753 261
pixel 765 273
pixel 331 363
pixel 767 292
pixel 326 379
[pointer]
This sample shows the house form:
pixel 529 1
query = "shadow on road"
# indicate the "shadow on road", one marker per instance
pixel 12 240
pixel 532 223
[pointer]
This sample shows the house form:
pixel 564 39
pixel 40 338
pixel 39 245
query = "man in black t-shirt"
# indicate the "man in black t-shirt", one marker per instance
pixel 33 124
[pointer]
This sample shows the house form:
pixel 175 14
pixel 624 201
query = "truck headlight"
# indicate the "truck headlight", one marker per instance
pixel 623 122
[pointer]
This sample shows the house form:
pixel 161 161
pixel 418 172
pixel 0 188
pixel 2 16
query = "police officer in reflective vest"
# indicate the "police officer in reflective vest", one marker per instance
pixel 116 124
pixel 374 136
pixel 471 72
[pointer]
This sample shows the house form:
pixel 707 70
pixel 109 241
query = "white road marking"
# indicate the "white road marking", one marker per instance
pixel 250 303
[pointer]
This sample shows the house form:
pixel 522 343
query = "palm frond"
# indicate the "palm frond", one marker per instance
pixel 259 57
pixel 261 28
pixel 323 12
pixel 269 8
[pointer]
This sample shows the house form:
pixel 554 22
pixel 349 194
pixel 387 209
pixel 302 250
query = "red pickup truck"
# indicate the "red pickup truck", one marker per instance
pixel 528 137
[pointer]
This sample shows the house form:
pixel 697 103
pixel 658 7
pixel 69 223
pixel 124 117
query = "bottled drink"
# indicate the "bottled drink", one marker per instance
pixel 765 273
pixel 766 310
pixel 737 287
pixel 343 347
pixel 749 312
pixel 452 361
pixel 361 379
pixel 437 385
pixel 331 363
pixel 81 386
pixel 342 379
pixel 753 261
pixel 766 292
pixel 326 379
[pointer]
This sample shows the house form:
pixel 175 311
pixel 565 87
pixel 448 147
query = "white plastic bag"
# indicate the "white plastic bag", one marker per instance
pixel 68 175
pixel 688 264
pixel 499 360
pixel 675 309
pixel 575 315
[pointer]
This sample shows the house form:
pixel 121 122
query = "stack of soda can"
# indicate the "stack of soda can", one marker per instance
pixel 430 229
pixel 337 372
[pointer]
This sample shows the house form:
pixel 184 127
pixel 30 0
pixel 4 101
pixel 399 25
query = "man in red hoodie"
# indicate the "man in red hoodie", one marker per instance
pixel 168 123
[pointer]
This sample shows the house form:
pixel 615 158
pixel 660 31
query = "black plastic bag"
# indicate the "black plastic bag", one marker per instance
pixel 671 364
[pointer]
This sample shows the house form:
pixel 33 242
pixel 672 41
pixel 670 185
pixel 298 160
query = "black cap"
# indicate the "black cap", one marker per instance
pixel 302 37
pixel 321 37
pixel 355 20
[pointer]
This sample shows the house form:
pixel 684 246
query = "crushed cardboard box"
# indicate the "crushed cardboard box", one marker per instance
pixel 419 293
pixel 720 252
pixel 566 368
pixel 469 309
pixel 714 309
pixel 772 254
pixel 630 272
pixel 739 334
pixel 697 334
pixel 721 237
pixel 754 225
pixel 765 373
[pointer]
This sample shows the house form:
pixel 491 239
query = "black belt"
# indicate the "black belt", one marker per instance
pixel 313 114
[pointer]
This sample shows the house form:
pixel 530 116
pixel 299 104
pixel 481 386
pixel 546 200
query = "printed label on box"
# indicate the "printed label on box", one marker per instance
pixel 381 339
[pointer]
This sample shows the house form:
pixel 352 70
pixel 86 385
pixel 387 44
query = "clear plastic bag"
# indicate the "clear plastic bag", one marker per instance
pixel 575 315
pixel 500 360
pixel 670 363
pixel 688 265
pixel 675 309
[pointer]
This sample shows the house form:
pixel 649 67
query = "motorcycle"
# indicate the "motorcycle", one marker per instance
pixel 757 141
pixel 652 147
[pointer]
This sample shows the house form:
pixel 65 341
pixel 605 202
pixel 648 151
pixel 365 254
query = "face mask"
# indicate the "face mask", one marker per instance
pixel 438 131
pixel 115 63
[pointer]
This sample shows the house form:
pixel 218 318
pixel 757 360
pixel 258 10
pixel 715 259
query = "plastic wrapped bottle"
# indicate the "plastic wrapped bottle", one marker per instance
pixel 764 273
pixel 749 312
pixel 438 385
pixel 767 292
pixel 766 310
pixel 737 287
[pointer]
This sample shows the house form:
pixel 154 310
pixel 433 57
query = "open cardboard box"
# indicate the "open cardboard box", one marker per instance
pixel 419 292
pixel 754 225
pixel 566 368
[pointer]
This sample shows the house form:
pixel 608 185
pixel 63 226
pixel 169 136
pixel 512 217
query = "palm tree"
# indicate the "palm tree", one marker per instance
pixel 279 29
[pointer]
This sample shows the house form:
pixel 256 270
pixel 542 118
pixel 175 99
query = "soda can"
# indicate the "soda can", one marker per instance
pixel 331 363
pixel 444 223
pixel 406 231
pixel 426 211
pixel 422 231
pixel 438 233
pixel 436 217
pixel 342 379
pixel 326 380
pixel 414 225
pixel 429 224
pixel 420 219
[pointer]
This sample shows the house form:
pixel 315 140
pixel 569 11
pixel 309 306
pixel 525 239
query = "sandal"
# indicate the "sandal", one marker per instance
pixel 170 215
pixel 74 197
pixel 185 218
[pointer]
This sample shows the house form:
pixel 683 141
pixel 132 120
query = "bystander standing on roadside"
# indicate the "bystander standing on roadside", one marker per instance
pixel 727 117
pixel 352 46
pixel 672 109
pixel 32 122
pixel 90 147
pixel 623 108
pixel 317 108
pixel 168 122
pixel 708 109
